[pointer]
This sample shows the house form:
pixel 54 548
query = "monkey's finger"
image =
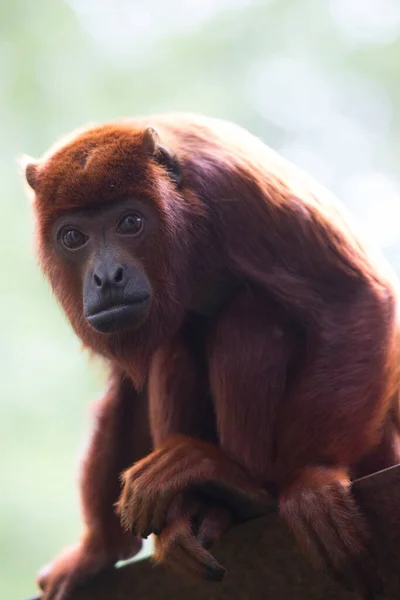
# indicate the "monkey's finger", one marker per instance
pixel 197 561
pixel 190 557
pixel 309 537
pixel 52 586
pixel 354 518
pixel 145 516
pixel 178 548
pixel 123 511
pixel 150 506
pixel 213 524
pixel 128 507
pixel 350 529
pixel 64 592
pixel 355 571
pixel 162 511
pixel 64 587
pixel 58 590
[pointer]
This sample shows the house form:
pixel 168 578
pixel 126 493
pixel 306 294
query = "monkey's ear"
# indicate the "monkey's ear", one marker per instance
pixel 151 140
pixel 30 169
pixel 165 158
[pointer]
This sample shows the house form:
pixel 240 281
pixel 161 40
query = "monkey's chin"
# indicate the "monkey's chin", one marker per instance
pixel 119 318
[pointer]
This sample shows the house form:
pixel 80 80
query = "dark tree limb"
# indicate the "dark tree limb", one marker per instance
pixel 263 560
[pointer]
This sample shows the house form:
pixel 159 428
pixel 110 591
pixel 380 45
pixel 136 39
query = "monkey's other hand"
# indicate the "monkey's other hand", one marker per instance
pixel 185 463
pixel 321 512
pixel 72 568
pixel 193 525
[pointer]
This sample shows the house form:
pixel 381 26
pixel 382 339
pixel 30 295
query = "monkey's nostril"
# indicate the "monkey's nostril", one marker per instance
pixel 119 275
pixel 97 280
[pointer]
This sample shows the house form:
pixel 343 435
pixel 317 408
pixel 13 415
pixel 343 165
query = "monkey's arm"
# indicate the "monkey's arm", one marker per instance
pixel 339 403
pixel 183 463
pixel 121 436
pixel 332 412
pixel 184 520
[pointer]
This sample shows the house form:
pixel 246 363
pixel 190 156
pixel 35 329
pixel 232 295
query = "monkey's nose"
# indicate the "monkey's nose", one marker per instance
pixel 109 276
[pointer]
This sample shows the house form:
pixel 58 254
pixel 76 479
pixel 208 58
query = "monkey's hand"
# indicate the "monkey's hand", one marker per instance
pixel 188 493
pixel 75 566
pixel 184 463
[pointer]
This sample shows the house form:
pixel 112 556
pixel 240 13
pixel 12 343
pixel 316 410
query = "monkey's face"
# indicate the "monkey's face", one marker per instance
pixel 105 250
pixel 112 236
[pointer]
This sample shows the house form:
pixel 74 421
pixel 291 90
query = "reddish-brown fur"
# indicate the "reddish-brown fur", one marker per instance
pixel 288 384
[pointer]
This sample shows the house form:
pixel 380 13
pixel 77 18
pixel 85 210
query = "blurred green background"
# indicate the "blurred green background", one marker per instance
pixel 318 80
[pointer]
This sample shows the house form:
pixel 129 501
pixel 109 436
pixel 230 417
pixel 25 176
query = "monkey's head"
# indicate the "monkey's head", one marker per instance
pixel 113 234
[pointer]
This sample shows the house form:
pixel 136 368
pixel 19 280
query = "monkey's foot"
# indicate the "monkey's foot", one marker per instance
pixel 182 464
pixel 321 512
pixel 75 566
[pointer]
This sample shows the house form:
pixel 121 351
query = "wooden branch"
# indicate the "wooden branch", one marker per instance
pixel 263 560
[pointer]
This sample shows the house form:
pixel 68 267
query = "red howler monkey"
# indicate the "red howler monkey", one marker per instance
pixel 223 285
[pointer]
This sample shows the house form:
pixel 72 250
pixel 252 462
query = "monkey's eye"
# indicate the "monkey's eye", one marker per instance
pixel 131 224
pixel 73 238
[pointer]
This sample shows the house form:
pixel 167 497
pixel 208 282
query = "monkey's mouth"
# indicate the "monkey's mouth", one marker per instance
pixel 118 317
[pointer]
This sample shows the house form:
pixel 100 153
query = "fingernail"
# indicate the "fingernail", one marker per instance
pixel 214 573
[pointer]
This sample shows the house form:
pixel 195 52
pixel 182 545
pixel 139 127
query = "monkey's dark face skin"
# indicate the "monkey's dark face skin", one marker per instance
pixel 104 248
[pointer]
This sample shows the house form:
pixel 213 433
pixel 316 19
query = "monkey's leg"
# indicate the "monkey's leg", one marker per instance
pixel 301 423
pixel 332 416
pixel 120 436
pixel 185 522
